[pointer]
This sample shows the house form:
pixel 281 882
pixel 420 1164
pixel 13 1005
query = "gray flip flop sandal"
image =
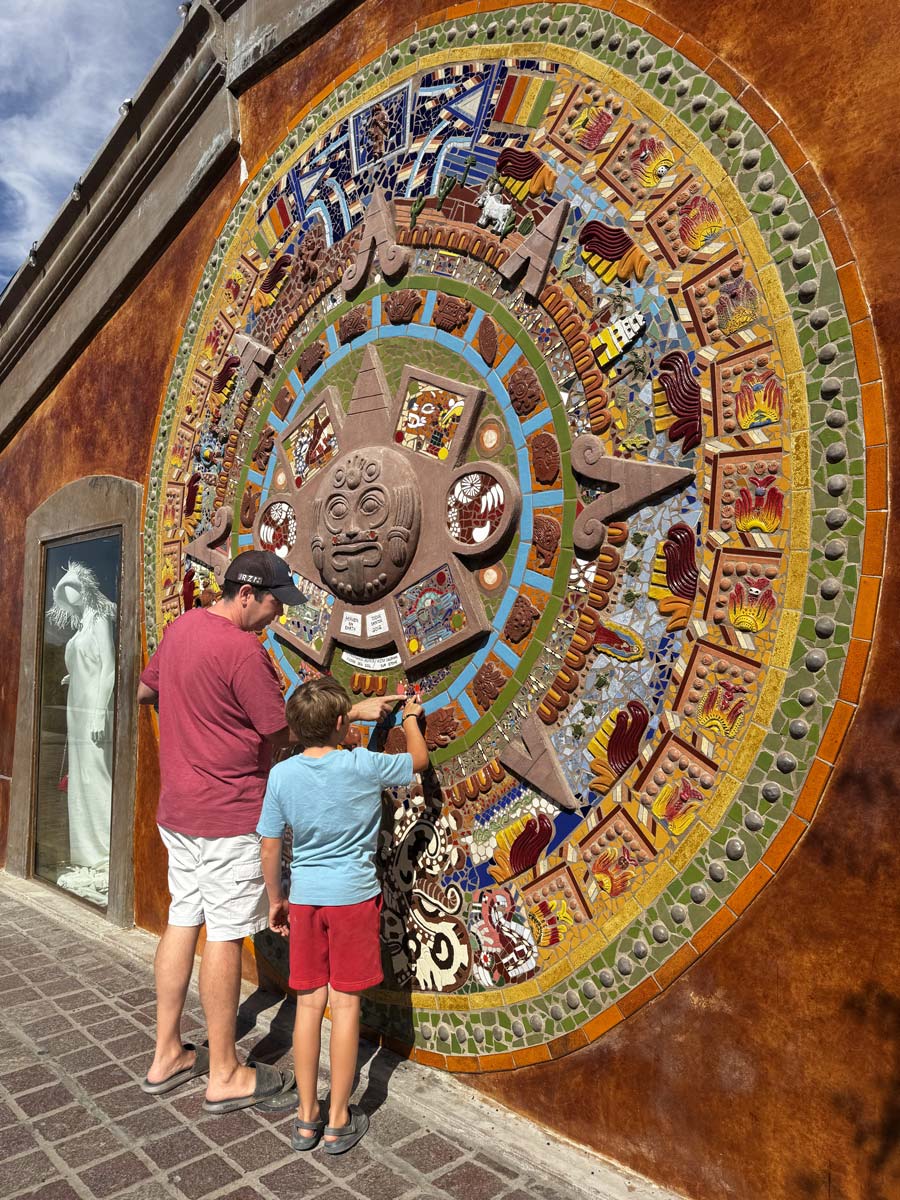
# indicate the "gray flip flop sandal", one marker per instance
pixel 200 1067
pixel 347 1135
pixel 317 1128
pixel 269 1082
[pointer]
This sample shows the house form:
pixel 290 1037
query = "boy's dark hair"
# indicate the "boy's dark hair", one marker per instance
pixel 231 587
pixel 313 710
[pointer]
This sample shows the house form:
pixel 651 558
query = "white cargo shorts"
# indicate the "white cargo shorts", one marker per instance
pixel 216 881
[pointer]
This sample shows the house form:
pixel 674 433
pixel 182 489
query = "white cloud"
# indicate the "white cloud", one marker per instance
pixel 65 67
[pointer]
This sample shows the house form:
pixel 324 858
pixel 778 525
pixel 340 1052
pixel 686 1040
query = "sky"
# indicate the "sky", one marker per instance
pixel 65 67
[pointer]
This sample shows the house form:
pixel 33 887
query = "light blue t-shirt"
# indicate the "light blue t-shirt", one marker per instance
pixel 333 806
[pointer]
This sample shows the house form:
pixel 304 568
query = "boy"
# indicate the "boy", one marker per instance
pixel 331 799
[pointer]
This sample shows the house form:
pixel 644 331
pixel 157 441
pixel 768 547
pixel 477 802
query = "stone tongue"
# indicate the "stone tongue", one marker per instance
pixel 367 421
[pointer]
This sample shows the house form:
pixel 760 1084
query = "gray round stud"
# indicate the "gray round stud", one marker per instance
pixel 632 48
pixel 791 231
pixel 518 1028
pixel 665 75
pixel 835 419
pixel 779 204
pixel 753 821
pixel 815 660
pixel 734 848
pixel 443 1033
pixel 836 452
pixel 751 160
pixel 836 517
pixel 827 353
pixel 624 965
pixel 771 792
pixel 556 1012
pixel 766 181
pixel 607 978
pixel 678 913
pixel 837 484
pixel 681 89
pixel 478 1034
pixel 786 763
pixel 830 388
pixel 818 318
pixel 589 989
pixel 699 893
pixel 699 103
pixel 807 697
pixel 806 292
pixel 716 871
pixel 572 1000
pixel 801 259
pixel 536 1022
pixel 640 950
pixel 717 119
pixel 835 549
pixel 427 1033
pixel 798 728
pixel 825 627
pixel 659 933
pixel 829 589
pixel 646 63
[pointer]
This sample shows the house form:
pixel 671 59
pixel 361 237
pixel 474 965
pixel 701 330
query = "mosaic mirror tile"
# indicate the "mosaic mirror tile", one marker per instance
pixel 526 352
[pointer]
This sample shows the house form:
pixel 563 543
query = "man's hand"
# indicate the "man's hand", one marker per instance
pixel 375 708
pixel 279 918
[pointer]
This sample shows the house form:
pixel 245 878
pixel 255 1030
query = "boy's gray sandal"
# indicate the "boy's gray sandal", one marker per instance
pixel 347 1135
pixel 199 1067
pixel 269 1082
pixel 299 1142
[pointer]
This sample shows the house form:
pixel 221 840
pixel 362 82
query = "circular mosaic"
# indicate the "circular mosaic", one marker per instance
pixel 526 352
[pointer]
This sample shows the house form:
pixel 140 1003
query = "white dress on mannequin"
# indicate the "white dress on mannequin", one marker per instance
pixel 91 666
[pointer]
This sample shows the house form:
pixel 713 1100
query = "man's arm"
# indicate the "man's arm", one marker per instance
pixel 146 695
pixel 279 910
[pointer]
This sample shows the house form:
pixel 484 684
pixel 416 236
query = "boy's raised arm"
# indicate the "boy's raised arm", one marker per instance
pixel 415 740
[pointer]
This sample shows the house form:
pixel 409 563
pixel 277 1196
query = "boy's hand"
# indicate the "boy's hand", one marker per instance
pixel 280 918
pixel 412 708
pixel 374 708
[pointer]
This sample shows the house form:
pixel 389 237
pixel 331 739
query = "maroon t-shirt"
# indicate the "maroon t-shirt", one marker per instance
pixel 219 697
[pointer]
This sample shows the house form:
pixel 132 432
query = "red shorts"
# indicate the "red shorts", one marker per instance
pixel 336 944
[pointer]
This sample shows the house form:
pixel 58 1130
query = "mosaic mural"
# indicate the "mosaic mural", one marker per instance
pixel 526 352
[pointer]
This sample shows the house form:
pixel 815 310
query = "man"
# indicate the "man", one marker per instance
pixel 221 713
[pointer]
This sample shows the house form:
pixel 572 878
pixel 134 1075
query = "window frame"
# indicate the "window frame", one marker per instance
pixel 85 508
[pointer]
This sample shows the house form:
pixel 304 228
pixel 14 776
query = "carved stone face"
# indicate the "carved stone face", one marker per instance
pixel 367 516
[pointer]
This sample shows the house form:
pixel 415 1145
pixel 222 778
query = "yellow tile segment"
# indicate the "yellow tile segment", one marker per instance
pixel 769 695
pixel 774 292
pixel 800 518
pixel 800 460
pixel 689 847
pixel 658 882
pixel 786 336
pixel 616 923
pixel 751 740
pixel 798 402
pixel 785 638
pixel 753 241
pixel 796 584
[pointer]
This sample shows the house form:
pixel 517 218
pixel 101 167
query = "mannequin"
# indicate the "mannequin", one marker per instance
pixel 78 604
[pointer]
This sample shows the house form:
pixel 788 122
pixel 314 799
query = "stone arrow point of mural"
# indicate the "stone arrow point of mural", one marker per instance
pixel 534 369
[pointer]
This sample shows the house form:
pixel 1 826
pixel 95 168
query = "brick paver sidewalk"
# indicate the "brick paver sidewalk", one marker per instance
pixel 76 1014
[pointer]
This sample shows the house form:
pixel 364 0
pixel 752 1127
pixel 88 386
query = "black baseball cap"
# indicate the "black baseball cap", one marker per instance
pixel 262 569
